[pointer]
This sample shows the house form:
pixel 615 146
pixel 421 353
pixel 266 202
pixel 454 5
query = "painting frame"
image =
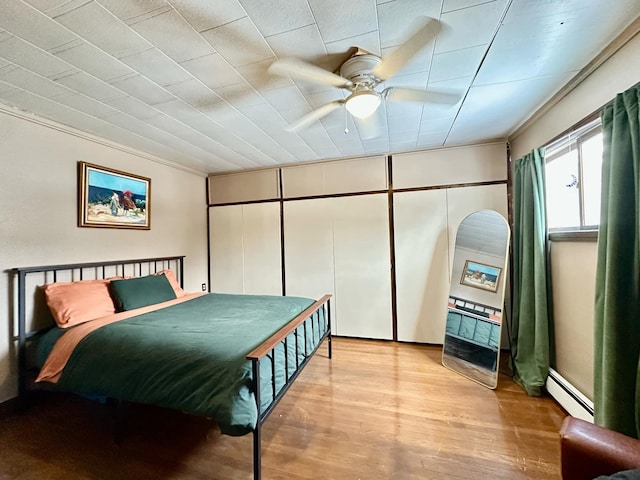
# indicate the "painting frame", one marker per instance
pixel 482 276
pixel 98 206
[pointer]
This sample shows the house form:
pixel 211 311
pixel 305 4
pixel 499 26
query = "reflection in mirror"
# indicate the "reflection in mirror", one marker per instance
pixel 474 316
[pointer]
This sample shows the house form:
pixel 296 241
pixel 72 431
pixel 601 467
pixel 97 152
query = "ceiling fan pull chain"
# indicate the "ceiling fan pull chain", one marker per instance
pixel 346 122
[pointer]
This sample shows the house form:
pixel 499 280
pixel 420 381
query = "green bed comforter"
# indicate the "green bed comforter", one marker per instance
pixel 191 356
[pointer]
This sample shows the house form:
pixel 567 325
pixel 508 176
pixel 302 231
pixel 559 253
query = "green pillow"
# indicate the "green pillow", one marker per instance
pixel 132 293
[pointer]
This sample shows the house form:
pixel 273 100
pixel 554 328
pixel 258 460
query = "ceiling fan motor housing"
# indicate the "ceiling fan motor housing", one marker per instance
pixel 359 68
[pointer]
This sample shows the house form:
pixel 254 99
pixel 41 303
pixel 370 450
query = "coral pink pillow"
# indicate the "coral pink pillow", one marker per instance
pixel 171 276
pixel 72 303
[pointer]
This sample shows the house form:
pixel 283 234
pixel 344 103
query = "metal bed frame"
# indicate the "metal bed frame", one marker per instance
pixel 139 267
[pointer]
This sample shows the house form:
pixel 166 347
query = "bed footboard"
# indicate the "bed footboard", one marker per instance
pixel 321 310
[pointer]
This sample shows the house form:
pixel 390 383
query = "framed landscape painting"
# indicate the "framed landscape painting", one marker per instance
pixel 112 199
pixel 479 275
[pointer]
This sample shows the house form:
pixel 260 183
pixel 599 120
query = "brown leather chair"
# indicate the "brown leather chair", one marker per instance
pixel 588 450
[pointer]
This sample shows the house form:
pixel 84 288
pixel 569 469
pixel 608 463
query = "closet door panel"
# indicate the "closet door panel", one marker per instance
pixel 225 243
pixel 261 249
pixel 362 266
pixel 422 259
pixel 308 249
pixel 464 201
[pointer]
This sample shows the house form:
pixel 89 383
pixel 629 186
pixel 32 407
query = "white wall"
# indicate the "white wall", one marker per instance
pixel 38 213
pixel 573 263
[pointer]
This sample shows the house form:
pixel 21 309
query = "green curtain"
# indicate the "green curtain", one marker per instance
pixel 617 302
pixel 531 323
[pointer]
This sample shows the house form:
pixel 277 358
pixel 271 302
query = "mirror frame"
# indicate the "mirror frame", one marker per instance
pixel 473 310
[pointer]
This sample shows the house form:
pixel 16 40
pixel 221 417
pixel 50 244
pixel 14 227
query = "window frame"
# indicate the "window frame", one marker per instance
pixel 568 142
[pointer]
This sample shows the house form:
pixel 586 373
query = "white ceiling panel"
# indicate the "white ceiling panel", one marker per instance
pixel 157 67
pixel 303 41
pixel 456 64
pixel 30 57
pixel 132 106
pixel 240 95
pixel 132 12
pixel 50 109
pixel 5 88
pixel 212 70
pixel 104 30
pixel 31 25
pixel 92 60
pixel 269 19
pixel 469 27
pixel 330 17
pixel 501 99
pixel 398 19
pixel 193 92
pixel 202 17
pixel 432 140
pixel 369 41
pixel 84 83
pixel 26 80
pixel 450 5
pixel 44 5
pixel 85 104
pixel 143 89
pixel 534 53
pixel 239 42
pixel 429 125
pixel 260 79
pixel 188 80
pixel 173 35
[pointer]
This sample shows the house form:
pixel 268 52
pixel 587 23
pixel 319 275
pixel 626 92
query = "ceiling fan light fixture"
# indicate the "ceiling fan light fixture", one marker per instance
pixel 362 103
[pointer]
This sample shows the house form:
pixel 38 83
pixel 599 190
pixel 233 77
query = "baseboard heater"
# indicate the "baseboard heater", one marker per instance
pixel 569 397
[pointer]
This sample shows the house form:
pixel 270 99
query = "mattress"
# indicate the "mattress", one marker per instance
pixel 192 356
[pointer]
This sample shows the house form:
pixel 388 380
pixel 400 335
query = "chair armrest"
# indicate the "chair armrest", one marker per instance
pixel 588 450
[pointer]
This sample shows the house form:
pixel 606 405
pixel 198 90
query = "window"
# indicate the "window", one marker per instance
pixel 573 179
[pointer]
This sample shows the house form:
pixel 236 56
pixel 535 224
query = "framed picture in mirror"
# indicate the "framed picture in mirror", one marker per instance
pixel 480 275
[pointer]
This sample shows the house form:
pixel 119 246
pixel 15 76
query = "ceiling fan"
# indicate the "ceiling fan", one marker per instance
pixel 361 74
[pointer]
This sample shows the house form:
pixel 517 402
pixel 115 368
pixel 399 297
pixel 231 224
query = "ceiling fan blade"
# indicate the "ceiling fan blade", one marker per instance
pixel 298 69
pixel 369 127
pixel 403 54
pixel 400 94
pixel 314 116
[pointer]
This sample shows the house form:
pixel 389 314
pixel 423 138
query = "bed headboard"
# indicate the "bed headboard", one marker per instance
pixel 29 310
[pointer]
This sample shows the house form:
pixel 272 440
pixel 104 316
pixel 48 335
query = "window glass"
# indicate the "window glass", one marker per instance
pixel 563 196
pixel 573 179
pixel 592 178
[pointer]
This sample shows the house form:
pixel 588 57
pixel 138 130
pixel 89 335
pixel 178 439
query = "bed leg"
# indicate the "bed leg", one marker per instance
pixel 257 434
pixel 329 326
pixel 257 454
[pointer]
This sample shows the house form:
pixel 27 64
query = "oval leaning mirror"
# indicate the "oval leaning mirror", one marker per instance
pixel 476 297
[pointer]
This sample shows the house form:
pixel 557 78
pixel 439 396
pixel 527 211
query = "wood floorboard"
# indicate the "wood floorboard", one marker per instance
pixel 377 410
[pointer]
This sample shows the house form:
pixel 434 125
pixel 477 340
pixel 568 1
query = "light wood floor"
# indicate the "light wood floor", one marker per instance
pixel 378 410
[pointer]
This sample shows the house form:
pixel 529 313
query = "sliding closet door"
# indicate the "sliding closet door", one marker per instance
pixel 225 246
pixel 245 249
pixel 261 246
pixel 308 249
pixel 308 240
pixel 341 246
pixel 422 264
pixel 362 266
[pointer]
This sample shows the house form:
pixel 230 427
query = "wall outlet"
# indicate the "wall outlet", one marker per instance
pixel 204 287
